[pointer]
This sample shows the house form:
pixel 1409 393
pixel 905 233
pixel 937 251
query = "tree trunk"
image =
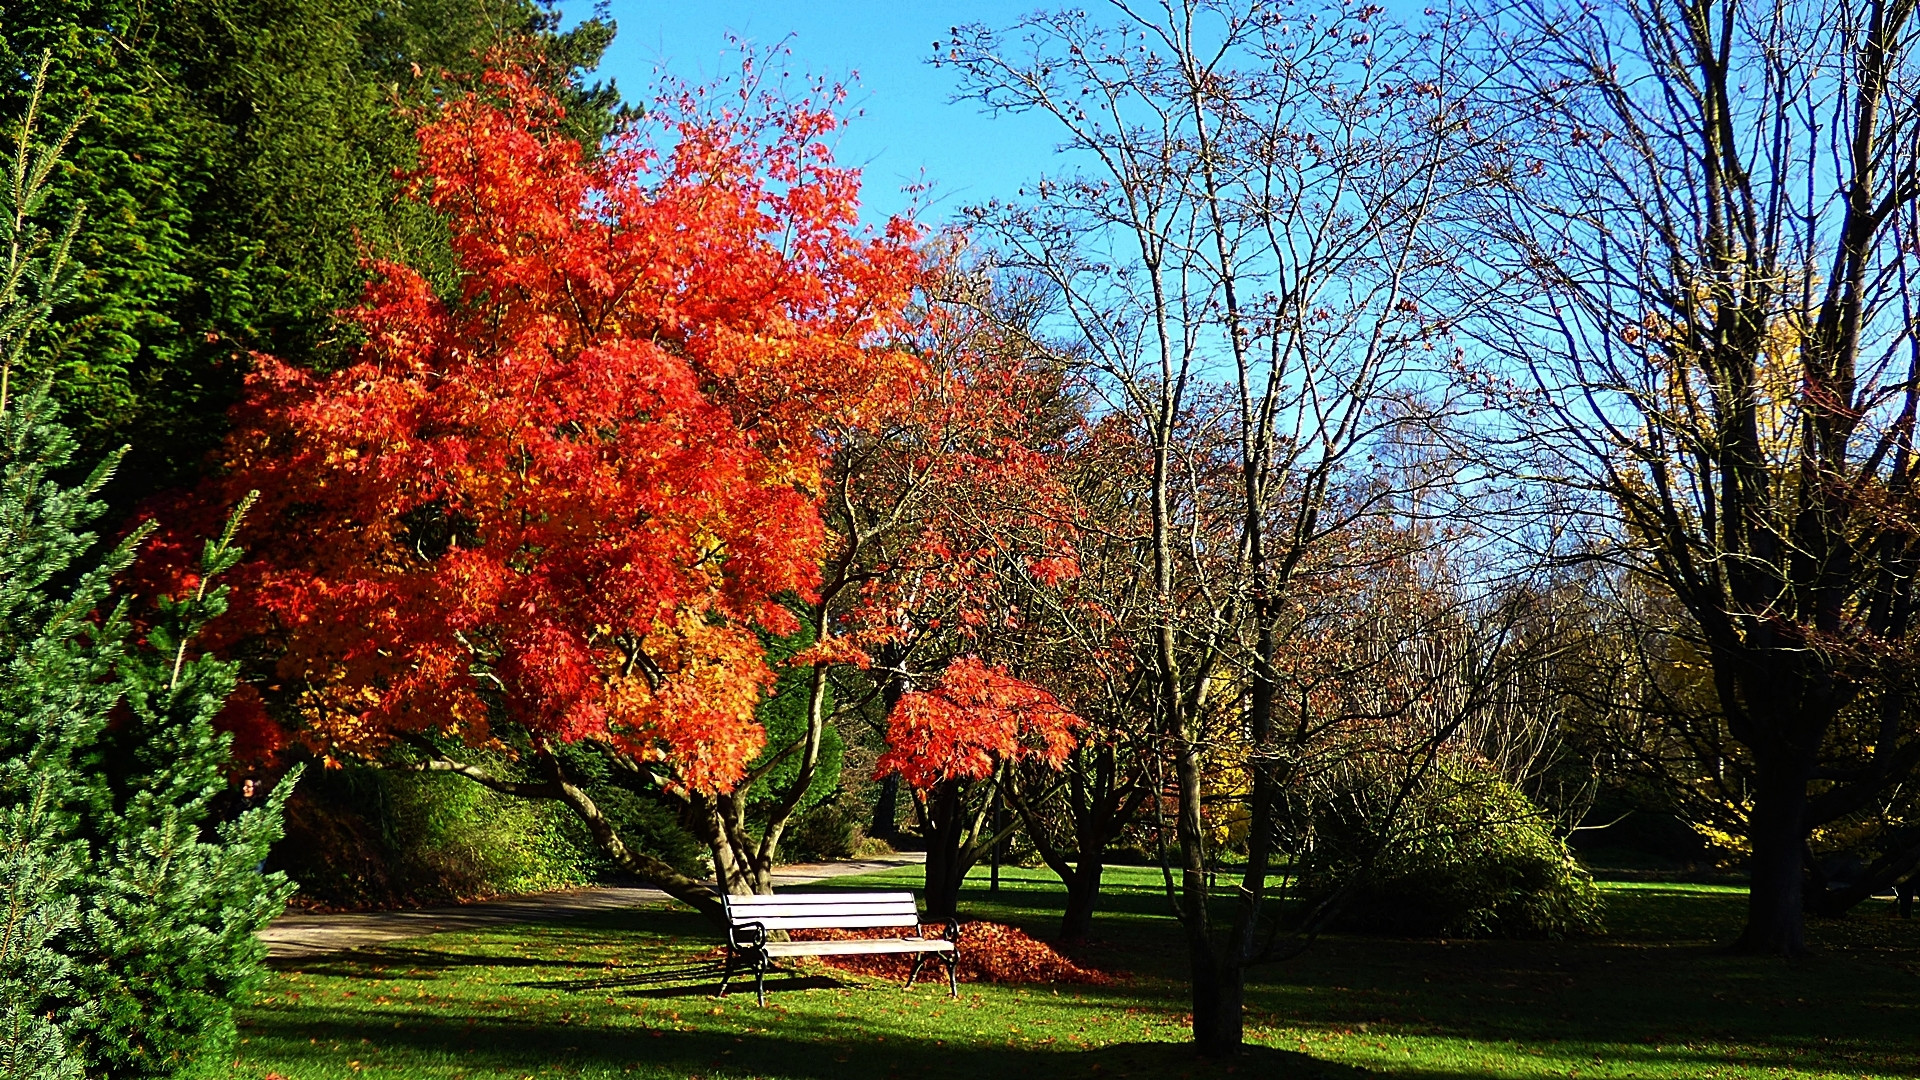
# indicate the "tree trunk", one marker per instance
pixel 956 841
pixel 1219 992
pixel 1083 890
pixel 945 873
pixel 886 811
pixel 705 816
pixel 946 864
pixel 1777 830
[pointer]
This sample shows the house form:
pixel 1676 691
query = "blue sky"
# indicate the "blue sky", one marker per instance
pixel 907 128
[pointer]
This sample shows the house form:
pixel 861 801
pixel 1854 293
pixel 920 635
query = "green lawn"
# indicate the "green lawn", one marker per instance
pixel 585 998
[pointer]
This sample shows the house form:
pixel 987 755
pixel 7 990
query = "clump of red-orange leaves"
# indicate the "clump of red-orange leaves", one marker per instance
pixel 989 952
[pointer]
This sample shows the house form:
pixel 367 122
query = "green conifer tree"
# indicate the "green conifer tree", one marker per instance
pixel 56 689
pixel 172 900
pixel 56 664
pixel 130 914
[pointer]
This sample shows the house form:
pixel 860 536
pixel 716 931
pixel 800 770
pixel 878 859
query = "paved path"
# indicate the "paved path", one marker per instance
pixel 302 935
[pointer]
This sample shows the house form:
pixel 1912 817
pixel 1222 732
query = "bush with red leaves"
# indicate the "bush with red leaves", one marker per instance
pixel 989 952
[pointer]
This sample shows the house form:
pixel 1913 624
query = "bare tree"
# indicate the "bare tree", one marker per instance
pixel 1078 640
pixel 1239 248
pixel 1702 239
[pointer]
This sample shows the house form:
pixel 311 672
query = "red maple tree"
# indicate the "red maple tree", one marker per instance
pixel 947 516
pixel 976 721
pixel 573 494
pixel 929 499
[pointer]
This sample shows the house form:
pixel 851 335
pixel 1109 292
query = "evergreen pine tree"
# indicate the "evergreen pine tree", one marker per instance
pixel 56 689
pixel 131 915
pixel 56 662
pixel 173 899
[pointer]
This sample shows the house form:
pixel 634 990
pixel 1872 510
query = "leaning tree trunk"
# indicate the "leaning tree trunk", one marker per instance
pixel 1892 870
pixel 709 818
pixel 1778 833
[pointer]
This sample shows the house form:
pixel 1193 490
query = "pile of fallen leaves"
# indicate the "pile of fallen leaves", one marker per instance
pixel 989 952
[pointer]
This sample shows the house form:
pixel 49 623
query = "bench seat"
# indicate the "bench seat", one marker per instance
pixel 750 919
pixel 866 946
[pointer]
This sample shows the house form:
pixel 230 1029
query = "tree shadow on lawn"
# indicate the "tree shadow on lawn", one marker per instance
pixel 394 962
pixel 797 1048
pixel 1659 992
pixel 1661 980
pixel 1626 1000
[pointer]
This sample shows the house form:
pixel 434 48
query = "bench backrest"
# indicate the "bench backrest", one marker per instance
pixel 823 911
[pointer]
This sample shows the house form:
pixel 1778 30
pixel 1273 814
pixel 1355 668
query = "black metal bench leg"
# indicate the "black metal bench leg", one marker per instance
pixel 760 980
pixel 918 959
pixel 953 973
pixel 726 973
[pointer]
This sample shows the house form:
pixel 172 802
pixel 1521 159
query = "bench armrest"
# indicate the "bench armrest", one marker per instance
pixel 756 936
pixel 952 932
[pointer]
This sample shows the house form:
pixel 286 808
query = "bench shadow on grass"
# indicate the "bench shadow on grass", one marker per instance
pixel 692 980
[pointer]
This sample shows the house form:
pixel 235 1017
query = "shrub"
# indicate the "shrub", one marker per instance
pixel 1131 854
pixel 645 823
pixel 825 832
pixel 872 847
pixel 1469 857
pixel 367 837
pixel 459 837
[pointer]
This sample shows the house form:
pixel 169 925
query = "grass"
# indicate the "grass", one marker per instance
pixel 585 998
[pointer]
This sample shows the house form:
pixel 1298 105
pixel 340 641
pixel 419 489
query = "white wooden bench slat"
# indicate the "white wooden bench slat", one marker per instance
pixel 823 898
pixel 740 912
pixel 827 911
pixel 834 922
pixel 768 916
pixel 857 948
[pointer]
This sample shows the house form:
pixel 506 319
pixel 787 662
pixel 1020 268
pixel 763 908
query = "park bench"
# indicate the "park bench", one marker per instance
pixel 750 919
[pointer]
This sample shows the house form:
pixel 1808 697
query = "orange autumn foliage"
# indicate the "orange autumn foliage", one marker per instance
pixel 971 472
pixel 975 718
pixel 574 492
